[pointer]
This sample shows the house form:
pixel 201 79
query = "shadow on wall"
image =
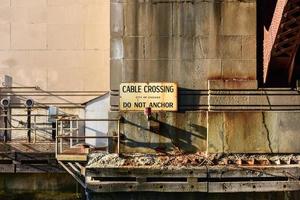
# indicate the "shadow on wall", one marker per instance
pixel 178 139
pixel 189 100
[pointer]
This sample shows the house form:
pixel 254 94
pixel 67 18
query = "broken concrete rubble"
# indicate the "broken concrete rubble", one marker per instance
pixel 176 160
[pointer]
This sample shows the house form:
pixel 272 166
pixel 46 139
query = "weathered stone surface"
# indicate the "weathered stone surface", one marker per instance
pixel 244 24
pixel 188 36
pixel 158 71
pixel 253 132
pixel 159 47
pixel 134 47
pixel 137 18
pixel 232 84
pixel 162 19
pixel 117 48
pixel 249 47
pixel 239 69
pixel 116 19
pixel 184 19
pixel 116 67
pixel 231 47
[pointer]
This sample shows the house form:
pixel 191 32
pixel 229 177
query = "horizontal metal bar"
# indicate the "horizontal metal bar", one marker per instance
pixel 51 91
pixel 30 87
pixel 10 129
pixel 85 137
pixel 88 120
pixel 36 115
pixel 47 95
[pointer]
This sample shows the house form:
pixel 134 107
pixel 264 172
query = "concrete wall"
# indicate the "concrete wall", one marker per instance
pixel 253 132
pixel 56 44
pixel 181 132
pixel 209 49
pixel 188 42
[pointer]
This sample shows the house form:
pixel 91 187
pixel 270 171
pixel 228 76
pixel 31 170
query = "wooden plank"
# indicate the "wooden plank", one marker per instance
pixel 70 157
pixel 34 156
pixel 210 187
pixel 290 171
pixel 97 186
pixel 23 146
pixel 200 172
pixel 7 168
pixel 39 169
pixel 253 186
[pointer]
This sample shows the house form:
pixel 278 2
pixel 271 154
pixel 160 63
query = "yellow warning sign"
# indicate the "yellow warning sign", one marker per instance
pixel 157 96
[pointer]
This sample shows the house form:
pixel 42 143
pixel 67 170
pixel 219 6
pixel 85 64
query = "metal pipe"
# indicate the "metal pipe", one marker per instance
pixel 71 133
pixel 118 147
pixel 37 115
pixel 29 124
pixel 83 137
pixel 46 95
pixel 31 87
pixel 53 130
pixel 100 120
pixel 34 140
pixel 53 91
pixel 25 129
pixel 5 126
pixel 61 134
pixel 47 106
pixel 56 140
pixel 77 131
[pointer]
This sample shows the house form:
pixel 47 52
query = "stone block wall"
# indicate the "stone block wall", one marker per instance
pixel 209 47
pixel 188 42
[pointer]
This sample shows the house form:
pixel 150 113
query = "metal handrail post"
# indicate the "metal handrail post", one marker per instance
pixel 77 131
pixel 71 133
pixel 118 147
pixel 61 140
pixel 56 139
pixel 34 131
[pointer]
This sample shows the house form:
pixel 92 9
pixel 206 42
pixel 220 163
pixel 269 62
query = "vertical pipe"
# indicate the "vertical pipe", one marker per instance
pixel 29 124
pixel 118 147
pixel 61 134
pixel 34 139
pixel 56 140
pixel 54 130
pixel 5 126
pixel 77 131
pixel 71 133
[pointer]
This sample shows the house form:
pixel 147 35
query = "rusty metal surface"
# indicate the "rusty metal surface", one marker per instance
pixel 280 53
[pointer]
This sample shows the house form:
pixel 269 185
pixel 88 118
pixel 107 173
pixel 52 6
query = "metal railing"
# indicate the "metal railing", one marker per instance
pixel 67 133
pixel 34 128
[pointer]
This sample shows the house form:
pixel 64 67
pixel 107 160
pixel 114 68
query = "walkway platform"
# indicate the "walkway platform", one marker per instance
pixel 212 179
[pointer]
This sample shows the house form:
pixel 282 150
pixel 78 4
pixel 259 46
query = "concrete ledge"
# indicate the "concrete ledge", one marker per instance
pixel 231 84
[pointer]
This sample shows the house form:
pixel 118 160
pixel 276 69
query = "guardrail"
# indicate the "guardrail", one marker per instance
pixel 34 126
pixel 71 132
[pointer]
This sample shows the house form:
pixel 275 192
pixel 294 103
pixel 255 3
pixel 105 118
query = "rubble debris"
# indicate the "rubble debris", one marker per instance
pixel 106 159
pixel 160 160
pixel 275 160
